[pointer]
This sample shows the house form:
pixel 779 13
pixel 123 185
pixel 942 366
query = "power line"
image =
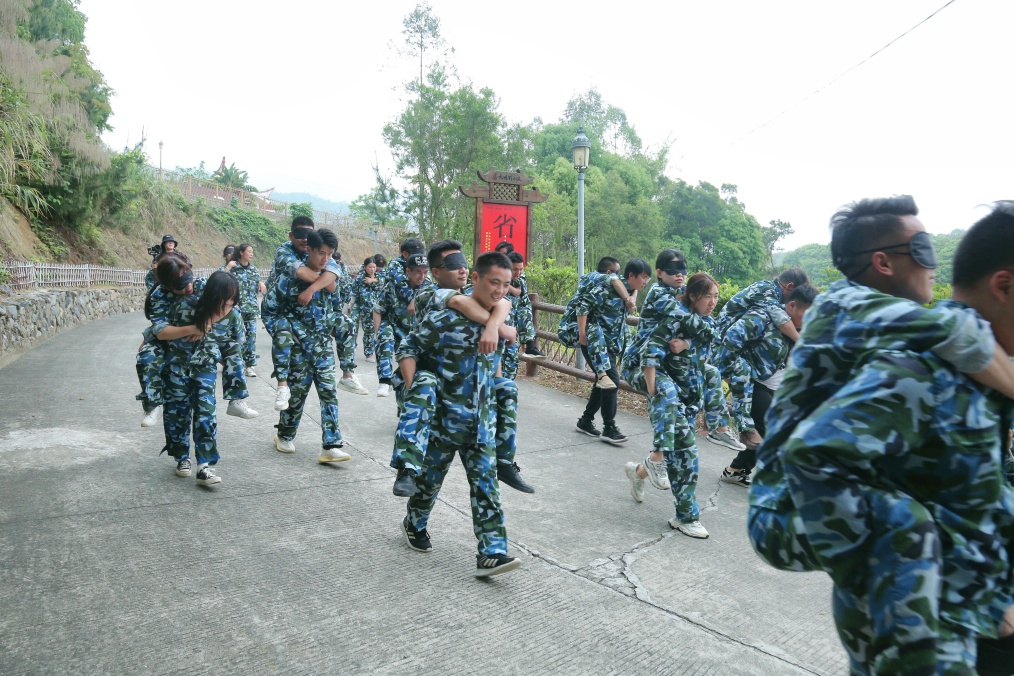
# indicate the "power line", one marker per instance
pixel 818 90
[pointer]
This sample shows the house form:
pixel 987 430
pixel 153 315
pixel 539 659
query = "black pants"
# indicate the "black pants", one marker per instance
pixel 762 397
pixel 603 399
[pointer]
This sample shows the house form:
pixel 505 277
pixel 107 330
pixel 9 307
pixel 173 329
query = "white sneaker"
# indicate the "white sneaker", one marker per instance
pixel 384 390
pixel 238 408
pixel 250 373
pixel 352 384
pixel 333 455
pixel 694 528
pixel 728 439
pixel 282 398
pixel 657 474
pixel 371 359
pixel 636 482
pixel 284 445
pixel 151 417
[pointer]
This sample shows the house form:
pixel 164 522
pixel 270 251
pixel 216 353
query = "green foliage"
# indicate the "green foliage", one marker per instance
pixel 24 152
pixel 232 177
pixel 381 206
pixel 248 226
pixel 554 284
pixel 301 209
pixel 56 246
pixel 726 290
pixel 56 20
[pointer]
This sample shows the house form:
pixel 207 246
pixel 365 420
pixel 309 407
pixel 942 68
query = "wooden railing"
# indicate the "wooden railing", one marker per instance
pixel 559 357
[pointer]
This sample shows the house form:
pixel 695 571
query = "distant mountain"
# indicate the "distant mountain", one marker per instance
pixel 317 202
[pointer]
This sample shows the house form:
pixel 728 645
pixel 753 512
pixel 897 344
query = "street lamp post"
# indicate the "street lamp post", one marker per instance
pixel 581 148
pixel 160 160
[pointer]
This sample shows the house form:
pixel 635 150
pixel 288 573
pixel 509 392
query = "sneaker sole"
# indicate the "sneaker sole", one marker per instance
pixel 184 474
pixel 632 475
pixel 283 450
pixel 585 432
pixel 726 444
pixel 696 537
pixel 209 482
pixel 409 543
pixel 244 416
pixel 614 442
pixel 325 459
pixel 734 482
pixel 523 488
pixel 348 388
pixel 505 568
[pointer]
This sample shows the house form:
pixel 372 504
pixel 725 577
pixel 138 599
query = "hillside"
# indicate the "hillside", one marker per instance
pixel 202 233
pixel 318 202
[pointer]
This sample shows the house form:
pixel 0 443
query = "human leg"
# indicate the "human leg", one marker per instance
pixel 205 419
pixel 300 380
pixel 487 513
pixel 250 346
pixel 431 478
pixel 507 471
pixel 178 413
pixel 682 466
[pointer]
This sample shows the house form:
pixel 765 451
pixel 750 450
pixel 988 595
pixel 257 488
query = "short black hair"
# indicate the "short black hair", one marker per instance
pixel 987 247
pixel 322 237
pixel 606 264
pixel 803 294
pixel 865 224
pixel 413 244
pixel 490 260
pixel 635 267
pixel 337 255
pixel 368 260
pixel 504 247
pixel 515 257
pixel 301 222
pixel 795 276
pixel 667 256
pixel 435 255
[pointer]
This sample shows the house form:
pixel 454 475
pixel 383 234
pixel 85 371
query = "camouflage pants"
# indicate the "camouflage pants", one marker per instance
pixel 682 469
pixel 345 342
pixel 480 469
pixel 740 377
pixel 886 610
pixel 524 324
pixel 716 410
pixel 189 403
pixel 411 440
pixel 280 330
pixel 250 344
pixel 313 363
pixel 369 335
pixel 671 428
pixel 150 362
pixel 385 351
pixel 509 363
pixel 598 353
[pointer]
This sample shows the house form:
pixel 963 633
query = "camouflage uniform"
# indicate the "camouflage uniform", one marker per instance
pixel 364 297
pixel 463 420
pixel 249 279
pixel 412 436
pixel 593 293
pixel 680 388
pixel 150 360
pixel 521 318
pixel 189 388
pixel 313 361
pixel 766 294
pixel 886 503
pixel 753 348
pixel 392 303
pixel 286 262
pixel 150 279
pixel 344 327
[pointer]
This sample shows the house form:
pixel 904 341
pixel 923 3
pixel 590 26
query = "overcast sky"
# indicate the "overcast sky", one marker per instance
pixel 297 93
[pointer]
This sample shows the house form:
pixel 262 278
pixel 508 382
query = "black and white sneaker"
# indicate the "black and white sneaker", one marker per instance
pixel 740 477
pixel 207 477
pixel 494 565
pixel 404 485
pixel 183 467
pixel 511 475
pixel 612 435
pixel 419 540
pixel 532 351
pixel 588 427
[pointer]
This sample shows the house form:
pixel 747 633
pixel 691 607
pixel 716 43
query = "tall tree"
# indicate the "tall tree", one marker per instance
pixel 421 29
pixel 772 233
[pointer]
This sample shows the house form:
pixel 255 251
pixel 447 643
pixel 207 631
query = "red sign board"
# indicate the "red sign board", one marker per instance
pixel 504 223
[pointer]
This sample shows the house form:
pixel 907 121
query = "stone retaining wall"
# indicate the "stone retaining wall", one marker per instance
pixel 27 319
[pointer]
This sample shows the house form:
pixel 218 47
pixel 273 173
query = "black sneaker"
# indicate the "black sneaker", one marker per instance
pixel 612 435
pixel 419 540
pixel 494 565
pixel 532 351
pixel 207 477
pixel 740 477
pixel 588 427
pixel 404 485
pixel 183 467
pixel 511 475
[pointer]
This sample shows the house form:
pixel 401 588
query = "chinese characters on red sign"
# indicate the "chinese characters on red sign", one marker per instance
pixel 504 223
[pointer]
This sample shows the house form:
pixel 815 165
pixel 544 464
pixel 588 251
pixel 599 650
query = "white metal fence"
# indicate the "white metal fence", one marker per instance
pixel 21 275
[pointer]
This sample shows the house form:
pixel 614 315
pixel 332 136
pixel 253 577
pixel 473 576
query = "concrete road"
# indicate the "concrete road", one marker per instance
pixel 109 563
